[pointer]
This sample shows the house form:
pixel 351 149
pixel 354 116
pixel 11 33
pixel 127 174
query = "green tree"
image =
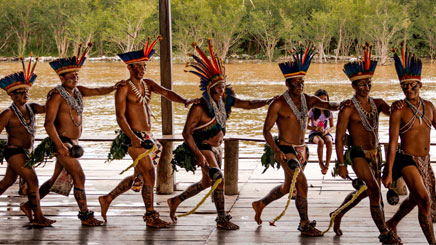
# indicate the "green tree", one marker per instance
pixel 227 24
pixel 128 23
pixel 19 15
pixel 385 21
pixel 266 25
pixel 190 22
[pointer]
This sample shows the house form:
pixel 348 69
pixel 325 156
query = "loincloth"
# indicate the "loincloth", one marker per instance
pixel 9 152
pixel 423 165
pixel 300 151
pixel 373 157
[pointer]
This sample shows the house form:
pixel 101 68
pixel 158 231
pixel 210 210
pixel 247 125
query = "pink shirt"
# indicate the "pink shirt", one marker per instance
pixel 322 120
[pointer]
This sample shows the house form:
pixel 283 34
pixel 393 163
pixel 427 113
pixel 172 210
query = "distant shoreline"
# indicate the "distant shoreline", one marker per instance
pixel 232 59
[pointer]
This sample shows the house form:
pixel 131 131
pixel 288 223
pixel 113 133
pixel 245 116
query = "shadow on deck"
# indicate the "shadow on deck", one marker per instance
pixel 125 225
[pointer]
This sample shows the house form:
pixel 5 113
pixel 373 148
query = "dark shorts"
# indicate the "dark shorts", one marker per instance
pixel 312 136
pixel 204 147
pixel 9 152
pixel 401 161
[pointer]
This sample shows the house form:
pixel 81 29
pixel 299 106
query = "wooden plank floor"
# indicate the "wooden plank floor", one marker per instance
pixel 125 225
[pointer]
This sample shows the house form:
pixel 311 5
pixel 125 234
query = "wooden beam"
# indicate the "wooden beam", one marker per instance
pixel 165 179
pixel 231 167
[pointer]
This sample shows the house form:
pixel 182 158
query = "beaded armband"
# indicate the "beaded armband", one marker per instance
pixel 223 219
pixel 85 215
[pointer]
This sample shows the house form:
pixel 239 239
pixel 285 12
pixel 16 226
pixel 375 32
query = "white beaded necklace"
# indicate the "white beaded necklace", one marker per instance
pixel 365 117
pixel 143 99
pixel 220 112
pixel 30 127
pixel 301 115
pixel 75 103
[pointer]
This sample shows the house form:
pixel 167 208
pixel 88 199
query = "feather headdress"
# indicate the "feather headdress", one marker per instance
pixel 140 55
pixel 70 64
pixel 299 63
pixel 408 67
pixel 211 72
pixel 23 79
pixel 361 69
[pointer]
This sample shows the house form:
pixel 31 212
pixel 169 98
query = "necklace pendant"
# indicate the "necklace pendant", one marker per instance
pixel 420 120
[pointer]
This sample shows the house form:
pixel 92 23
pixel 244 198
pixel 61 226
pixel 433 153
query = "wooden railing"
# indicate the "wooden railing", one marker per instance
pixel 231 161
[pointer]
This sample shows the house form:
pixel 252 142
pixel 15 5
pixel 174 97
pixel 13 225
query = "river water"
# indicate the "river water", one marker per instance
pixel 250 81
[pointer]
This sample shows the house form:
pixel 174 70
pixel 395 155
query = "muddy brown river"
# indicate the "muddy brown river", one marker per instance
pixel 250 81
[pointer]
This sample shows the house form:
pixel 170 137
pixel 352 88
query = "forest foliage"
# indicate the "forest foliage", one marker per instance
pixel 261 29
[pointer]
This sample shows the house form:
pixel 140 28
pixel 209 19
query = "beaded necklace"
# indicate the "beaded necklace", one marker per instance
pixel 365 116
pixel 30 127
pixel 75 103
pixel 220 112
pixel 416 114
pixel 143 99
pixel 301 115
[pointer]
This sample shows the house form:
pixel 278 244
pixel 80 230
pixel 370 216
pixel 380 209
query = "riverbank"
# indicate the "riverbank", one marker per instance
pixel 232 59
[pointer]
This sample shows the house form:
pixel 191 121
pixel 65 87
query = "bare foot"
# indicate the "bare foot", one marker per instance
pixel 258 207
pixel 173 203
pixel 27 210
pixel 390 224
pixel 43 222
pixel 337 224
pixel 104 205
pixel 92 222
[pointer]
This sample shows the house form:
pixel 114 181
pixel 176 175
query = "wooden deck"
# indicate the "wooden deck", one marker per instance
pixel 125 225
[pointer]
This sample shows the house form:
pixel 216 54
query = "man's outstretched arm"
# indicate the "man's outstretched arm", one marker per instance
pixel 316 102
pixel 100 91
pixel 169 94
pixel 252 104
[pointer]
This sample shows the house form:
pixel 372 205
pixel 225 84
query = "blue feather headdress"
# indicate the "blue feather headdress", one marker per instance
pixel 211 72
pixel 23 79
pixel 408 67
pixel 299 63
pixel 140 55
pixel 70 64
pixel 361 69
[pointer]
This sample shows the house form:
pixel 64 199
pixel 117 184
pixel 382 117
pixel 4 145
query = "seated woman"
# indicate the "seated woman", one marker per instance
pixel 320 132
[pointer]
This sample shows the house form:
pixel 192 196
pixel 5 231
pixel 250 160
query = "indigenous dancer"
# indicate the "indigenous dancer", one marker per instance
pixel 320 131
pixel 364 154
pixel 19 121
pixel 63 123
pixel 132 104
pixel 204 131
pixel 411 159
pixel 289 112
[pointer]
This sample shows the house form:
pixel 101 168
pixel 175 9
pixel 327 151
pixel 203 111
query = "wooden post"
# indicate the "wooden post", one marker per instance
pixel 231 157
pixel 165 179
